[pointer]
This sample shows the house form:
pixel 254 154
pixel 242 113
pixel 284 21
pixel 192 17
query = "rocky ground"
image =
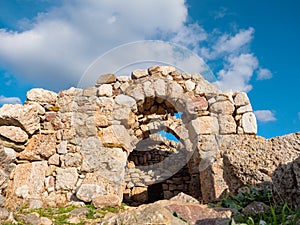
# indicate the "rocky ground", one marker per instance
pixel 182 209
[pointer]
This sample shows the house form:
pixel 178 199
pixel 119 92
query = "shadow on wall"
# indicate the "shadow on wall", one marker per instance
pixel 286 183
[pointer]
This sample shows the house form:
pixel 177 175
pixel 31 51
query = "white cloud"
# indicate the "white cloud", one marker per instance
pixel 190 36
pixel 9 100
pixel 264 74
pixel 265 115
pixel 64 41
pixel 59 45
pixel 237 73
pixel 233 44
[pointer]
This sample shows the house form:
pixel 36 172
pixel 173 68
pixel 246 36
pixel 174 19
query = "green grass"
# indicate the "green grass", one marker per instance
pixel 277 214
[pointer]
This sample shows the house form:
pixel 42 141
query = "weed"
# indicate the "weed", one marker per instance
pixel 277 214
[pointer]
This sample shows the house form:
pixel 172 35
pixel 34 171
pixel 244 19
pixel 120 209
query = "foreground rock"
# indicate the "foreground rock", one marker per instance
pixel 255 161
pixel 171 213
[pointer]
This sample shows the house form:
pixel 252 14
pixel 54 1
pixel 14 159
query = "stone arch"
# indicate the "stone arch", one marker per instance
pixel 90 133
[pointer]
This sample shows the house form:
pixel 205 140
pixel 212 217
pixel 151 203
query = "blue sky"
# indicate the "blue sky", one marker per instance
pixel 249 45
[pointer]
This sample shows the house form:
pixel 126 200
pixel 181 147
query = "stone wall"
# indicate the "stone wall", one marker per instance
pixel 74 146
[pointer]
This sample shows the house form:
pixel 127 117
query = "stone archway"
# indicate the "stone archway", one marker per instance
pixel 90 133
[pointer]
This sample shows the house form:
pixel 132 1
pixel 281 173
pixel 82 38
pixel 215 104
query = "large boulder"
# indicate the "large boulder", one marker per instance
pixel 42 96
pixel 25 117
pixel 256 161
pixel 171 213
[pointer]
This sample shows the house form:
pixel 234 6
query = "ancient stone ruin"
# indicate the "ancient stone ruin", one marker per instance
pixel 102 144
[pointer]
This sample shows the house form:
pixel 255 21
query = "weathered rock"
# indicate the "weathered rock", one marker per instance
pixel 54 160
pixel 28 182
pixel 139 74
pixel 189 85
pixel 146 214
pixel 87 192
pixel 32 218
pixel 4 214
pixel 227 124
pixel 106 79
pixel 89 91
pixel 15 134
pixel 206 88
pixel 116 136
pixel 42 96
pixel 105 90
pixel 164 70
pixel 25 117
pixel 241 99
pixel 3 179
pixel 204 125
pixel 126 101
pixel 123 78
pixel 66 179
pixel 72 159
pixel 101 201
pixel 40 146
pixel 250 160
pixel 286 180
pixel 244 109
pixel 249 123
pixel 182 197
pixel 255 208
pixel 2 201
pixel 222 107
pixel 62 147
pixel 171 212
pixel 7 155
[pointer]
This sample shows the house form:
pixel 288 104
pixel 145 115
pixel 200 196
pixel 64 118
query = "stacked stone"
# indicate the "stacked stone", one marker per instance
pixel 74 145
pixel 144 169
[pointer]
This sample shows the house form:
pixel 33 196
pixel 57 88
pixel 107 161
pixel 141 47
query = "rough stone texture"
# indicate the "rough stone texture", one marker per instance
pixel 101 201
pixel 15 134
pixel 249 123
pixel 87 192
pixel 42 96
pixel 227 124
pixel 28 182
pixel 116 136
pixel 106 79
pixel 81 144
pixel 204 125
pixel 163 212
pixel 40 146
pixel 286 180
pixel 241 99
pixel 182 197
pixel 139 74
pixel 222 107
pixel 250 160
pixel 105 90
pixel 66 179
pixel 25 117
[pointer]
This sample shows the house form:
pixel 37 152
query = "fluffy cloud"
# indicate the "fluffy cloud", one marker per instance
pixel 9 100
pixel 229 44
pixel 61 43
pixel 265 115
pixel 237 73
pixel 264 74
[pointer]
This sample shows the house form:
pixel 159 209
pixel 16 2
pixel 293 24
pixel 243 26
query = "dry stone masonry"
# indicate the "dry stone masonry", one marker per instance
pixel 99 144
